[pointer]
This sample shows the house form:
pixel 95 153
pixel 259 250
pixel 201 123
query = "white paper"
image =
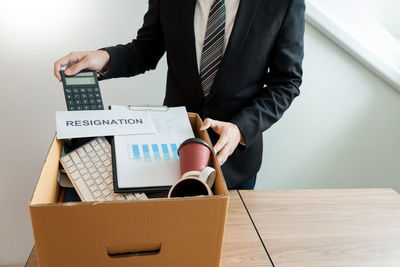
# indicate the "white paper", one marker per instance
pixel 152 160
pixel 91 123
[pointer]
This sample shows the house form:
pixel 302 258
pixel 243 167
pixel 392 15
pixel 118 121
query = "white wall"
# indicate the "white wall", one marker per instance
pixel 341 132
pixel 387 11
pixel 33 35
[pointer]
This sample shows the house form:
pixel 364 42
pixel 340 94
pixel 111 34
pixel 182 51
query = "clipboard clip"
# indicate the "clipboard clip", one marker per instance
pixel 148 108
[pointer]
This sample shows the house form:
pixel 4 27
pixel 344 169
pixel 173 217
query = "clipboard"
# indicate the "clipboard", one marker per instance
pixel 147 189
pixel 120 177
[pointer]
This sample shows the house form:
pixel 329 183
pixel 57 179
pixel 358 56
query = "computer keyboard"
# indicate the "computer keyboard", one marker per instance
pixel 89 168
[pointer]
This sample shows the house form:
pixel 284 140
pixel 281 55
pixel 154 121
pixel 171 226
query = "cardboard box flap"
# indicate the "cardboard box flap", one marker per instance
pixel 47 189
pixel 220 185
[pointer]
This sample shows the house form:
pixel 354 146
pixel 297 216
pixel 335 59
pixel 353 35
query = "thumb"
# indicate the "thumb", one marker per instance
pixel 206 124
pixel 74 69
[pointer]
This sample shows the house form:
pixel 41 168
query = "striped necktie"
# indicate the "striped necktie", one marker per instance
pixel 213 47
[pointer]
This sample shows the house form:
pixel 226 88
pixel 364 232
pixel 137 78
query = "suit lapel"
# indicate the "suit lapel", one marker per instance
pixel 244 18
pixel 188 41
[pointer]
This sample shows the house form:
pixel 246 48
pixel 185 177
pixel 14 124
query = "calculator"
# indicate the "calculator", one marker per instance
pixel 82 91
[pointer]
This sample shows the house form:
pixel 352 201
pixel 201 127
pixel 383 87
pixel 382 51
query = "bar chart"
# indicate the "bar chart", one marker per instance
pixel 153 152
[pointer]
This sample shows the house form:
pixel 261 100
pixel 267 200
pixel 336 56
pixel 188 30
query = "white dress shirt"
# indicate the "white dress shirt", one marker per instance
pixel 200 22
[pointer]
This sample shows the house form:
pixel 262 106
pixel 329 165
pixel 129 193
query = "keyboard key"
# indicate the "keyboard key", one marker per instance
pixel 104 158
pixel 88 148
pixel 105 175
pixel 102 186
pixel 96 194
pixel 85 159
pixel 98 164
pixel 81 152
pixel 101 169
pixel 93 188
pixel 130 196
pixel 75 175
pixel 84 190
pixel 80 165
pixel 75 157
pixel 106 192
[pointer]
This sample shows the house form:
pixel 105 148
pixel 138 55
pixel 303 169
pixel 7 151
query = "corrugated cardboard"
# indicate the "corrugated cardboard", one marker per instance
pixel 155 232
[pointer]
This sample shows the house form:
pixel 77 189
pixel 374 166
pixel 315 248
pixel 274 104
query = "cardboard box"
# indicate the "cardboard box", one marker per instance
pixel 155 232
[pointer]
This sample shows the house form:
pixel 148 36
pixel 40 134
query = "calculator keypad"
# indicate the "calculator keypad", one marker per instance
pixel 83 98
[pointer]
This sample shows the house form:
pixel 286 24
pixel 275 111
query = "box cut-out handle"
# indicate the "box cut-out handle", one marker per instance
pixel 134 250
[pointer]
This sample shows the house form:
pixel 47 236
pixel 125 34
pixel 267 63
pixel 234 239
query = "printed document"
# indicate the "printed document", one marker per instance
pixel 91 123
pixel 151 160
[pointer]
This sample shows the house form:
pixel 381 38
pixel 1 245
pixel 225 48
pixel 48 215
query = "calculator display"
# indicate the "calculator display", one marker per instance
pixel 79 80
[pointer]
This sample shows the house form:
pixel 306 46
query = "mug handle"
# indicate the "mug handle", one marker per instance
pixel 207 175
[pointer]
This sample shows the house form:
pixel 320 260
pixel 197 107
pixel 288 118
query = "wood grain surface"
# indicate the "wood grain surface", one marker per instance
pixel 350 227
pixel 241 246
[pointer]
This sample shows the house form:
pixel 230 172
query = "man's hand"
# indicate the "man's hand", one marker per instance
pixel 77 61
pixel 229 137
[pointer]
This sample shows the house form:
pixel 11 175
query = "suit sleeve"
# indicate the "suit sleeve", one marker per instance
pixel 143 53
pixel 283 79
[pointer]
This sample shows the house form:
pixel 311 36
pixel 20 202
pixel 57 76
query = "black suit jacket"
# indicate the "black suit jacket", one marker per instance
pixel 258 79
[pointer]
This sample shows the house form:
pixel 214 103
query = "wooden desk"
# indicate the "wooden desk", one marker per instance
pixel 241 246
pixel 356 227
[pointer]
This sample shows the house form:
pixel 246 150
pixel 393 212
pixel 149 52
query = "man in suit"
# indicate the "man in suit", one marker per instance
pixel 238 64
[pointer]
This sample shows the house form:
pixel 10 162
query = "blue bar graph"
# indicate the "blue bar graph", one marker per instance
pixel 165 151
pixel 136 153
pixel 156 153
pixel 175 151
pixel 146 152
pixel 149 152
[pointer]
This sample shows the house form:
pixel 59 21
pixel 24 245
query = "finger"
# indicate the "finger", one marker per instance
pixel 217 126
pixel 69 59
pixel 57 66
pixel 222 141
pixel 74 69
pixel 206 124
pixel 222 156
